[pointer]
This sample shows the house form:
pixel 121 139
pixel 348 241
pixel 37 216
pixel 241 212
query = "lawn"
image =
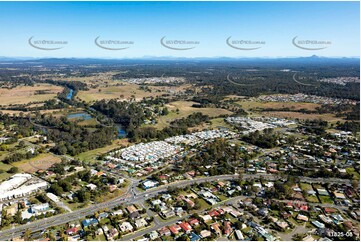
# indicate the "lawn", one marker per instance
pixel 100 238
pixel 306 186
pixel 167 238
pixel 325 199
pixel 222 197
pixel 355 174
pixel 203 204
pixel 74 206
pixel 312 199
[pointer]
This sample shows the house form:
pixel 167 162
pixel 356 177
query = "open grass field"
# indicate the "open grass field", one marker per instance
pixel 90 156
pixel 40 162
pixel 215 123
pixel 89 122
pixel 26 94
pixel 122 92
pixel 303 116
pixel 16 112
pixel 185 108
pixel 4 176
pixel 251 104
pixel 4 168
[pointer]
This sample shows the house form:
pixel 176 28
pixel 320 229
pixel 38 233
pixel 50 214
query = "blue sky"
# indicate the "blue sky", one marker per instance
pixel 209 23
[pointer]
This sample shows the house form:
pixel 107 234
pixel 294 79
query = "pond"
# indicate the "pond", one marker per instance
pixel 84 116
pixel 121 132
pixel 70 94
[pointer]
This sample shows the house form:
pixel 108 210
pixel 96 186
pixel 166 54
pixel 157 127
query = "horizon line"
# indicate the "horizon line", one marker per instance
pixel 177 57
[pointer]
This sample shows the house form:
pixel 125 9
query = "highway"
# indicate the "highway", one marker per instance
pixel 132 197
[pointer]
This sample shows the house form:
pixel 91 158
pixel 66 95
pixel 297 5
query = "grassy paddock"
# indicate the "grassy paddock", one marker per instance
pixel 26 94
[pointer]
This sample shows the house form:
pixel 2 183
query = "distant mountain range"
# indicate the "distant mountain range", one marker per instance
pixel 147 59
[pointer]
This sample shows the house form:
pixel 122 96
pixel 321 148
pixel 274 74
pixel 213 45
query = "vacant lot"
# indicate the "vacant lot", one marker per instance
pixel 125 91
pixel 40 162
pixel 4 168
pixel 90 155
pixel 184 109
pixel 26 94
pixel 278 105
pixel 293 115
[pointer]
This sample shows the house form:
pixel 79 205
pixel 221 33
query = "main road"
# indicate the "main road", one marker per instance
pixel 132 197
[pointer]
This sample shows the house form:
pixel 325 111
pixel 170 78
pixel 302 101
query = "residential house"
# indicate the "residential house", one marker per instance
pixel 89 222
pixel 133 212
pixel 302 217
pixel 216 229
pixel 164 232
pixel 153 235
pixel 175 229
pixel 139 223
pixel 227 228
pixel 125 227
pixel 185 227
pixel 205 234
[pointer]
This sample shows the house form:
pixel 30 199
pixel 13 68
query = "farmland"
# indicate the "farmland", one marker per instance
pixel 27 94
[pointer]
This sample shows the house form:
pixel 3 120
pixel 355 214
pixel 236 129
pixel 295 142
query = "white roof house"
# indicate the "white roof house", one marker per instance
pixel 53 197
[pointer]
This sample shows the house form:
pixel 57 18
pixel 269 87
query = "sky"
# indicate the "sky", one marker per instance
pixel 253 29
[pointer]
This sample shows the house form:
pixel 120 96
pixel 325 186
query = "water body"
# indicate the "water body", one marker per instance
pixel 84 116
pixel 121 132
pixel 70 94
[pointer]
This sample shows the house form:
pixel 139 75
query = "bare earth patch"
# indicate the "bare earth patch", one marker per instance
pixel 41 162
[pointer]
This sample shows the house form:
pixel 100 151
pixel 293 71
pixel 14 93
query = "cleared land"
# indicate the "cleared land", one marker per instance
pixel 26 94
pixel 293 115
pixel 92 154
pixel 125 92
pixel 185 108
pixel 278 105
pixel 40 162
pixel 4 168
pixel 16 112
